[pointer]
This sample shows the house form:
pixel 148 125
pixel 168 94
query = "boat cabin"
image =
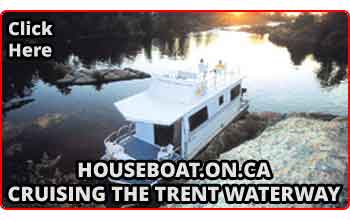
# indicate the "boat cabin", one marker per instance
pixel 176 117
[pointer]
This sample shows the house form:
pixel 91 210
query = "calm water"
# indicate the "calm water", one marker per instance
pixel 274 83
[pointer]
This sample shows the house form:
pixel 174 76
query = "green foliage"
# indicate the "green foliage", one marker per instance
pixel 305 19
pixel 325 37
pixel 71 26
pixel 332 37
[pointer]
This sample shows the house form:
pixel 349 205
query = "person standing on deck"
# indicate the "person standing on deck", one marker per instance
pixel 218 70
pixel 203 68
pixel 220 67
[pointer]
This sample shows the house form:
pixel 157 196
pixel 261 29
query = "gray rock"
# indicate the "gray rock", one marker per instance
pixel 60 68
pixel 15 104
pixel 300 150
pixel 89 77
pixel 86 79
pixel 66 79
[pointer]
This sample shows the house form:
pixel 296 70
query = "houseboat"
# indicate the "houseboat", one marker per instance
pixel 176 117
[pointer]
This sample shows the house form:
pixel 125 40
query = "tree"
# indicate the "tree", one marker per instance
pixel 305 19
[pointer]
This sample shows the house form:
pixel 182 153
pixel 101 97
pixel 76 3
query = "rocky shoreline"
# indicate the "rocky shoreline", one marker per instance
pixel 15 104
pixel 65 75
pixel 85 76
pixel 301 148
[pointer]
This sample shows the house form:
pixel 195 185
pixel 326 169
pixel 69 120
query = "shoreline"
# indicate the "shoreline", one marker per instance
pixel 245 131
pixel 96 77
pixel 302 148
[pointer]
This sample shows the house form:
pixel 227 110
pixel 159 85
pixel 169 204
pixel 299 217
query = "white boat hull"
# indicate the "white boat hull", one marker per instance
pixel 199 140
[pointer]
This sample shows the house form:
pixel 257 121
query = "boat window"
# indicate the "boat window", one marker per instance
pixel 163 135
pixel 235 92
pixel 221 100
pixel 198 118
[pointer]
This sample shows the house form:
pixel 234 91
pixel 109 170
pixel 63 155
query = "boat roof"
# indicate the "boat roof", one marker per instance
pixel 169 99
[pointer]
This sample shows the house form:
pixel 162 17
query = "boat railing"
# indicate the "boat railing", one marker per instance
pixel 244 100
pixel 120 134
pixel 211 79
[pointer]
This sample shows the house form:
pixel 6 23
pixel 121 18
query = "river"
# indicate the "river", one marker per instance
pixel 86 114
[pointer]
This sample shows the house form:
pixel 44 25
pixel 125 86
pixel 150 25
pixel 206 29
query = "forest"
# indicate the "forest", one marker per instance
pixel 76 26
pixel 325 37
pixel 113 36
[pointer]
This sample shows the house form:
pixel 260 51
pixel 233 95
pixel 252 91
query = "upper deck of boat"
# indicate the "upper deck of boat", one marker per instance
pixel 170 97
